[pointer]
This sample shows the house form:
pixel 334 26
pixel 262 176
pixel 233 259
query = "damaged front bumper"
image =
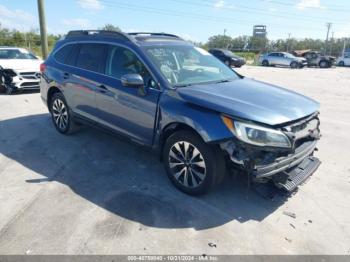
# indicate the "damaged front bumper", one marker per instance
pixel 286 168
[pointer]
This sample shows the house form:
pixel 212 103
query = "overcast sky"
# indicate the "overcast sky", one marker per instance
pixel 192 19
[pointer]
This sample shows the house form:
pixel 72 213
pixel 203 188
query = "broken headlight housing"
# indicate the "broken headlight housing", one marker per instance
pixel 257 135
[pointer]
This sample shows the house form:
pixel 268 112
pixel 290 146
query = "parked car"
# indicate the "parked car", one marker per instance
pixel 317 59
pixel 22 66
pixel 344 60
pixel 282 59
pixel 229 58
pixel 201 116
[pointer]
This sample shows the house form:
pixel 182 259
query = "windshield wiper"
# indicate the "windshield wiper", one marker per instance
pixel 183 85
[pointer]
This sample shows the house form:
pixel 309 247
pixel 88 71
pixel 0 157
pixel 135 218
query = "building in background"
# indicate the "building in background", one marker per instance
pixel 259 31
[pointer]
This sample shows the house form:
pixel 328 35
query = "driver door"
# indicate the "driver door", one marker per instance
pixel 127 110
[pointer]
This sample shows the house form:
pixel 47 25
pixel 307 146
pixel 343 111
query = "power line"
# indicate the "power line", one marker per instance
pixel 254 10
pixel 188 14
pixel 338 9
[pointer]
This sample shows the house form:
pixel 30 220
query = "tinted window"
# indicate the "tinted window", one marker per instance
pixel 62 54
pixel 122 61
pixel 92 57
pixel 72 55
pixel 273 54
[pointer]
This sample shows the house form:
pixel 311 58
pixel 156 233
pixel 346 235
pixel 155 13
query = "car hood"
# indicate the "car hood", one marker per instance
pixel 251 100
pixel 21 64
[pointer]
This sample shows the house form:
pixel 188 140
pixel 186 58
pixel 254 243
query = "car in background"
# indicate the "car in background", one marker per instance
pixel 229 58
pixel 315 58
pixel 282 59
pixel 344 60
pixel 22 66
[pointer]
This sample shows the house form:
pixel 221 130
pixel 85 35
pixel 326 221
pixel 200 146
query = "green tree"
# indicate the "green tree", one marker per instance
pixel 219 41
pixel 110 27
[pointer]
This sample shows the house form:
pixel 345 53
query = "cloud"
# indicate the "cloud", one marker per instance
pixel 272 9
pixel 77 22
pixel 91 4
pixel 17 19
pixel 304 4
pixel 221 4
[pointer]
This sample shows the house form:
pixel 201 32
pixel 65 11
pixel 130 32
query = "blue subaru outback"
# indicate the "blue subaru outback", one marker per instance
pixel 201 116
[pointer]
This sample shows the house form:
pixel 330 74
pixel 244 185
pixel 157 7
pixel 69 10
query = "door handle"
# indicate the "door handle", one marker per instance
pixel 65 75
pixel 102 88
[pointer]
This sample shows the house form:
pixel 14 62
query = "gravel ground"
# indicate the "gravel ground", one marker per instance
pixel 92 193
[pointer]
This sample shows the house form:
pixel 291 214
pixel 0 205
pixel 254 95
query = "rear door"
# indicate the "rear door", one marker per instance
pixel 127 110
pixel 83 79
pixel 347 59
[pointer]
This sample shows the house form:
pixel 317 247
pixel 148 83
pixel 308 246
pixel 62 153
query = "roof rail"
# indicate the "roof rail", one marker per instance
pixel 81 33
pixel 153 34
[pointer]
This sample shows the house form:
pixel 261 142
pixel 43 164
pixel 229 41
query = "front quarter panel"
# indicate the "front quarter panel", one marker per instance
pixel 207 123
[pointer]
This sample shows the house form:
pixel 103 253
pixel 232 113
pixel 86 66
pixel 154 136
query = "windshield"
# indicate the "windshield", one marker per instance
pixel 188 65
pixel 15 54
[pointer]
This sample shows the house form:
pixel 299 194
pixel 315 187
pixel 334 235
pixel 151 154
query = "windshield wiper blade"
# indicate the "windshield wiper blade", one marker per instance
pixel 183 85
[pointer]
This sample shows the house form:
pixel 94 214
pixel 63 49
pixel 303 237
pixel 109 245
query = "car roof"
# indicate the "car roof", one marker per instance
pixel 138 38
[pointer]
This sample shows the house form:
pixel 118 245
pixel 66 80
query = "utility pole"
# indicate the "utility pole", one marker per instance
pixel 225 32
pixel 288 42
pixel 332 40
pixel 329 25
pixel 41 10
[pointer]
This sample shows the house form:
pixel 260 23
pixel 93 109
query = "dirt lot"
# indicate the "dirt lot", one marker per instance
pixel 92 193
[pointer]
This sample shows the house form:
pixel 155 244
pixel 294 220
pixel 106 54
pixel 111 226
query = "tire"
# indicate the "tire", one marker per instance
pixel 294 65
pixel 61 115
pixel 2 84
pixel 265 63
pixel 186 155
pixel 323 64
pixel 341 63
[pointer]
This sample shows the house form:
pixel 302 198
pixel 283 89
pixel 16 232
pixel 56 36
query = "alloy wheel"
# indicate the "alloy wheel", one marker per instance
pixel 187 164
pixel 60 114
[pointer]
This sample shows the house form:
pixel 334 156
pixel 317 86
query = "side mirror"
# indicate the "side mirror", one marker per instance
pixel 132 80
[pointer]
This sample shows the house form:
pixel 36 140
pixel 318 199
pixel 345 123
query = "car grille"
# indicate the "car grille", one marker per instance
pixel 304 130
pixel 30 75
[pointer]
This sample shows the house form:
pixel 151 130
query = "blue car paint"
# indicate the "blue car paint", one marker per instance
pixel 251 100
pixel 198 107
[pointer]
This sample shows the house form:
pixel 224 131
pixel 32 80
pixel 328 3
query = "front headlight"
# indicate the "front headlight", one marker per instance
pixel 257 135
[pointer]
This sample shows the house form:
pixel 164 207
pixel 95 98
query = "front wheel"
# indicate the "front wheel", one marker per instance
pixel 294 65
pixel 265 63
pixel 61 115
pixel 193 166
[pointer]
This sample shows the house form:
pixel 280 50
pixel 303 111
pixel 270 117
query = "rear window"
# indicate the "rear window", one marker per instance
pixel 92 57
pixel 62 54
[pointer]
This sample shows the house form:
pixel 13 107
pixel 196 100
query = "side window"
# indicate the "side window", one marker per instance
pixel 92 57
pixel 122 61
pixel 62 54
pixel 272 54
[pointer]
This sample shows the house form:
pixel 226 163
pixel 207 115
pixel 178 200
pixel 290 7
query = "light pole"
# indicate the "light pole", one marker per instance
pixel 41 11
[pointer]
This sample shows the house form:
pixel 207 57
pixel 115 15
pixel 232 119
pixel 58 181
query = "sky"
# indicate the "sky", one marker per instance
pixel 194 20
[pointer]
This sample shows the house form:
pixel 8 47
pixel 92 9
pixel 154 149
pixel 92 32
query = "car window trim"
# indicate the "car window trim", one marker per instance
pixel 160 88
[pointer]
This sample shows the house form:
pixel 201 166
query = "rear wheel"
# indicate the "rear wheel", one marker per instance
pixel 341 63
pixel 323 64
pixel 61 115
pixel 265 63
pixel 193 166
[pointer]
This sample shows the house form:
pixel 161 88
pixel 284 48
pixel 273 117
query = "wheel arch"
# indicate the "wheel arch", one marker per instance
pixel 52 90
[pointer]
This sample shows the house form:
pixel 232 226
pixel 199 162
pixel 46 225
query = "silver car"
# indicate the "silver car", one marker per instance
pixel 282 59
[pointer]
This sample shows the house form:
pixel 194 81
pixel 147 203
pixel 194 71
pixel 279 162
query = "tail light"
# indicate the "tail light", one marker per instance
pixel 42 67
